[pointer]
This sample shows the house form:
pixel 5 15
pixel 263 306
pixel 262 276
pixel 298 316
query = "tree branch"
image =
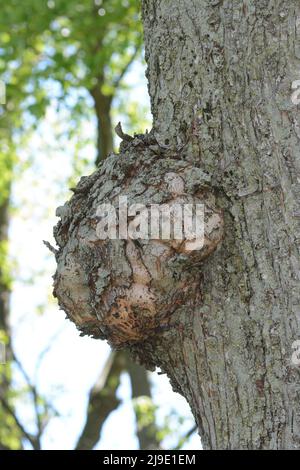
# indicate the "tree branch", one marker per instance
pixel 117 81
pixel 34 441
pixel 102 401
pixel 186 437
pixel 140 387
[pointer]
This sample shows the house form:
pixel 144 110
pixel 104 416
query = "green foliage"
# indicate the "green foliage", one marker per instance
pixel 9 432
pixel 145 411
pixel 10 435
pixel 52 50
pixel 171 427
pixel 75 43
pixel 5 277
pixel 6 168
pixel 135 116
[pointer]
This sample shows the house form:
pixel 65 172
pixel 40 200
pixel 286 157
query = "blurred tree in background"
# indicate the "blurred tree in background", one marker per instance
pixel 68 49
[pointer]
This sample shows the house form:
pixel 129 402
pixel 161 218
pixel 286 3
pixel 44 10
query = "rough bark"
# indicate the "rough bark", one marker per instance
pixel 220 323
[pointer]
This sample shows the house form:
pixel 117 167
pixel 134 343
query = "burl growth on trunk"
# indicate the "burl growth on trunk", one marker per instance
pixel 126 290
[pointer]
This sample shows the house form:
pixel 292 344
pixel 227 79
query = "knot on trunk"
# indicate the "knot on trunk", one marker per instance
pixel 126 287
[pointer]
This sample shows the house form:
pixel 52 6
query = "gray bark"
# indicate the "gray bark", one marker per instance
pixel 220 322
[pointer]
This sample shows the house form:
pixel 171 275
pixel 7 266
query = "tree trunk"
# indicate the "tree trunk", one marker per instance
pixel 141 387
pixel 221 326
pixel 102 401
pixel 6 408
pixel 4 300
pixel 4 288
pixel 102 105
pixel 220 76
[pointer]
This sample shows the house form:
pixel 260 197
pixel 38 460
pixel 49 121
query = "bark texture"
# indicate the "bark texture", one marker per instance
pixel 220 80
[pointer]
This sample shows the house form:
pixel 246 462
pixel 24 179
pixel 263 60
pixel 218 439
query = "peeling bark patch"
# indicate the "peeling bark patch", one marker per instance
pixel 125 290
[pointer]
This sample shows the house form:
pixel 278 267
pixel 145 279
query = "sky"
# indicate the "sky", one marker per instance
pixel 62 364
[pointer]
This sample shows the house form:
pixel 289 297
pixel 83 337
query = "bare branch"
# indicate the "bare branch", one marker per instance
pixel 121 134
pixel 141 387
pixel 34 394
pixel 117 81
pixel 186 437
pixel 50 247
pixel 34 441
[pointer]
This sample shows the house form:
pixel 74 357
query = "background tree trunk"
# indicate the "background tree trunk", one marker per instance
pixel 102 106
pixel 4 300
pixel 141 387
pixel 220 75
pixel 4 288
pixel 102 401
